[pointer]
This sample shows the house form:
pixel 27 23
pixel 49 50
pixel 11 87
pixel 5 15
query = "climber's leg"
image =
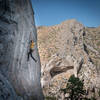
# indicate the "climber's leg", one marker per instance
pixel 28 56
pixel 33 57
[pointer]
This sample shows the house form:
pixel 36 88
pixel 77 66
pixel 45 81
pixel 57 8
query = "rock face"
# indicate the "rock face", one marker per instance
pixel 65 50
pixel 6 90
pixel 17 28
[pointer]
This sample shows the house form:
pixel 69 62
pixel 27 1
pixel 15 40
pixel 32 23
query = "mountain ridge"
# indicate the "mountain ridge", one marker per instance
pixel 68 44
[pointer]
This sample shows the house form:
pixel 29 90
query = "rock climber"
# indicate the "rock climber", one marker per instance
pixel 31 50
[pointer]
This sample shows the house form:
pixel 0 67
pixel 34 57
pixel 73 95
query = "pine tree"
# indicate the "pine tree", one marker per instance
pixel 74 88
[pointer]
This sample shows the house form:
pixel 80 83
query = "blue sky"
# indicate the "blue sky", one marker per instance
pixel 52 12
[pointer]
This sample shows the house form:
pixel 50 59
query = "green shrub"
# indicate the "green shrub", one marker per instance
pixel 99 92
pixel 50 98
pixel 75 88
pixel 93 98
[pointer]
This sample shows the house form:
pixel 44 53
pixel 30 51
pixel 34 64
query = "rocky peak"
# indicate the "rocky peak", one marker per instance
pixel 64 51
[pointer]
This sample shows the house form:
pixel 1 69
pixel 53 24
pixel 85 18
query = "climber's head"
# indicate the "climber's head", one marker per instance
pixel 32 41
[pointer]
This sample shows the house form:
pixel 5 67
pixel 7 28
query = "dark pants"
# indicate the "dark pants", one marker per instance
pixel 30 54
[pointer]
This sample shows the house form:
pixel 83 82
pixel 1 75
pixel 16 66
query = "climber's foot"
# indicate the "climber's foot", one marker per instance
pixel 35 60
